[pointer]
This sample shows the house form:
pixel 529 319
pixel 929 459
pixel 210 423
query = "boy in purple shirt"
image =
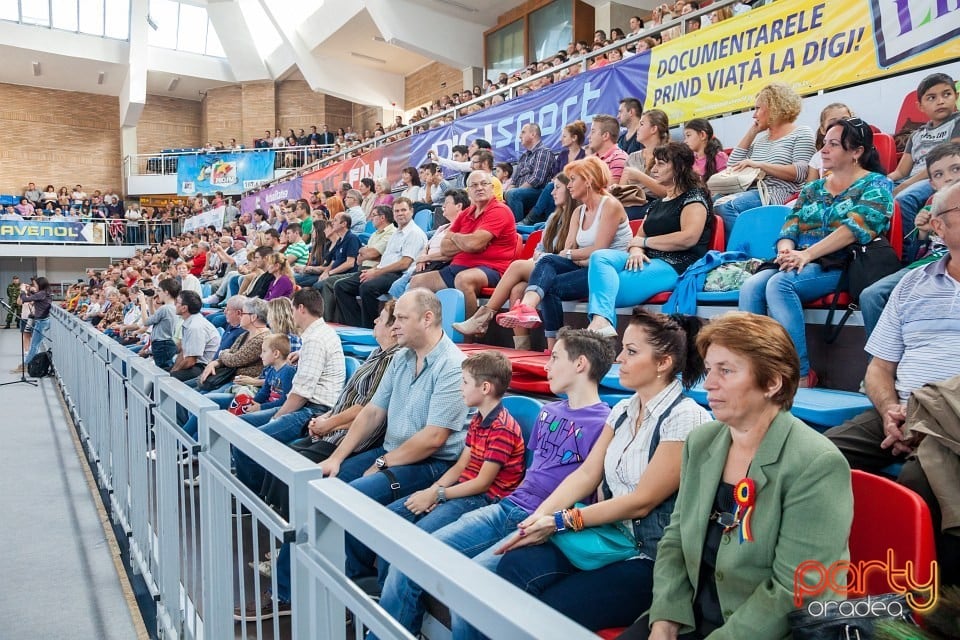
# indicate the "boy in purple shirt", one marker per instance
pixel 563 436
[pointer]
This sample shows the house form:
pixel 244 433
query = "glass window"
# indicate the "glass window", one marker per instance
pixel 91 17
pixel 505 49
pixel 551 29
pixel 192 30
pixel 163 13
pixel 9 10
pixel 214 48
pixel 35 12
pixel 118 19
pixel 266 40
pixel 64 14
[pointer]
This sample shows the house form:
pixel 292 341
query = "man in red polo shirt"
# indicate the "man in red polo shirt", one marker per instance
pixel 481 243
pixel 603 140
pixel 199 259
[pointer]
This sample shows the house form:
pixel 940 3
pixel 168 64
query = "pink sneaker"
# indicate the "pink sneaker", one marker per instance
pixel 519 316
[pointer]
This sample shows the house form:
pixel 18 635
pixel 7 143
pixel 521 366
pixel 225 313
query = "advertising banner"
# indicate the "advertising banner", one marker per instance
pixel 808 44
pixel 213 217
pixel 231 173
pixel 288 190
pixel 53 231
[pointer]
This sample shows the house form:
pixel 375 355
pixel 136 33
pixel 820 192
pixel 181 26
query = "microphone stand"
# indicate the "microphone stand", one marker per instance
pixel 23 365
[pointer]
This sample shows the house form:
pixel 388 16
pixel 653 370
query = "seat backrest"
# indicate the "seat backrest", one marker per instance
pixel 719 241
pixel 756 231
pixel 887 149
pixel 454 310
pixel 424 219
pixel 525 411
pixel 636 225
pixel 896 230
pixel 350 365
pixel 888 517
pixel 530 245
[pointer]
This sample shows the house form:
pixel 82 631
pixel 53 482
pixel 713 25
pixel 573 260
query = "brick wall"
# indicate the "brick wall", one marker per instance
pixel 366 117
pixel 430 83
pixel 337 113
pixel 58 137
pixel 169 123
pixel 222 117
pixel 258 108
pixel 299 106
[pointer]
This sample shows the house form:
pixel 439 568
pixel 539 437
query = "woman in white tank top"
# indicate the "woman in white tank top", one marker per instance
pixel 601 223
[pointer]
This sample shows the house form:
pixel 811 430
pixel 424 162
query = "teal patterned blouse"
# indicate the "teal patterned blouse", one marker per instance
pixel 865 208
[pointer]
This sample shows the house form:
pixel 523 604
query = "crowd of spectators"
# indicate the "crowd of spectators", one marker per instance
pixel 278 277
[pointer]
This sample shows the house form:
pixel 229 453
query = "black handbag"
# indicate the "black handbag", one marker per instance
pixel 223 375
pixel 863 265
pixel 848 619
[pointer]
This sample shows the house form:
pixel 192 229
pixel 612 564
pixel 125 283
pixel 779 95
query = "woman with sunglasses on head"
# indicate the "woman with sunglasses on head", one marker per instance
pixel 854 204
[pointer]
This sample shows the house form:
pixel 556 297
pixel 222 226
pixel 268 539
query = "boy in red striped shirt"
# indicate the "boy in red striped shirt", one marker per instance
pixel 491 465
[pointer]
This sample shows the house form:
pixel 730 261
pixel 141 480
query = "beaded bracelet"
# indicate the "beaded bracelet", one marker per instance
pixel 576 520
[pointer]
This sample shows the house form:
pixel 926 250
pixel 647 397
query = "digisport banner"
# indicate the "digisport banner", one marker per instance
pixel 53 231
pixel 580 97
pixel 288 190
pixel 231 173
pixel 808 44
pixel 211 218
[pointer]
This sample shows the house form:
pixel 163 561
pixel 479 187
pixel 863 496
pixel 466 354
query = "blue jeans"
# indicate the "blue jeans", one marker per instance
pixel 476 536
pixel 286 429
pixel 164 353
pixel 781 294
pixel 874 298
pixel 612 286
pixel 399 286
pixel 911 200
pixel 520 200
pixel 306 279
pixel 544 206
pixel 612 596
pixel 731 206
pixel 556 279
pixel 39 329
pixel 441 516
pixel 411 477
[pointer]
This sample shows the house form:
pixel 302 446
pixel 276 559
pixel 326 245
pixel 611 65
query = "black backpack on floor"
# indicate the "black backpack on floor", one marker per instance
pixel 41 365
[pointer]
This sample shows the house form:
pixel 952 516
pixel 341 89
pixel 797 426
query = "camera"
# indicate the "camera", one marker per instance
pixel 147 292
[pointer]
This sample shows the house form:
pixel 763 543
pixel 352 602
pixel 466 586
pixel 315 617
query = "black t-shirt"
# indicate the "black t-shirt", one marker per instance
pixel 663 217
pixel 706 606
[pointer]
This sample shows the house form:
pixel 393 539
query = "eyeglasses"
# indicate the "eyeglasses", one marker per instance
pixel 943 212
pixel 479 185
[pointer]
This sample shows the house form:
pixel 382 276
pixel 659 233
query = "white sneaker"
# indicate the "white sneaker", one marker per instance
pixel 152 455
pixel 192 482
pixel 264 568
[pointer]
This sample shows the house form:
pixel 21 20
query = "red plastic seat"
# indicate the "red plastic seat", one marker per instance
pixel 610 634
pixel 530 245
pixel 887 148
pixel 636 225
pixel 888 517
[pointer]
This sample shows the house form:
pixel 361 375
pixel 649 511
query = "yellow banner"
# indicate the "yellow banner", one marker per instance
pixel 810 45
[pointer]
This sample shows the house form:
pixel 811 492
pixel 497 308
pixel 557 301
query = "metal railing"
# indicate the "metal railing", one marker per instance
pixel 165 163
pixel 197 551
pixel 116 231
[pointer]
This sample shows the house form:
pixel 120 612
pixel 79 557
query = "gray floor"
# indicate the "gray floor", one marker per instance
pixel 59 579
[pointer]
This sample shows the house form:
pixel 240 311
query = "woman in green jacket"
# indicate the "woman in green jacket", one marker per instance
pixel 761 494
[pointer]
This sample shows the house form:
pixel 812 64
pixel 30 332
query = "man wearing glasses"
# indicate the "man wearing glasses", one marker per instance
pixel 481 243
pixel 916 343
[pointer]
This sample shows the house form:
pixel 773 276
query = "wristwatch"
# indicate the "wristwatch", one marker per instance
pixel 380 463
pixel 441 495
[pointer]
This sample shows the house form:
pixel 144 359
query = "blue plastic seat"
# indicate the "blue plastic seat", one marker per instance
pixel 611 381
pixel 820 408
pixel 205 290
pixel 424 219
pixel 350 366
pixel 451 301
pixel 356 335
pixel 613 397
pixel 360 351
pixel 526 411
pixel 755 233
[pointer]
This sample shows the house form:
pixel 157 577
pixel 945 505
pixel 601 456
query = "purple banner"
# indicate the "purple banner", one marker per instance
pixel 290 189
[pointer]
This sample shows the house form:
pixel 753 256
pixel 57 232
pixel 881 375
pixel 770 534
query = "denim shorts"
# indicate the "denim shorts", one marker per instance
pixel 449 273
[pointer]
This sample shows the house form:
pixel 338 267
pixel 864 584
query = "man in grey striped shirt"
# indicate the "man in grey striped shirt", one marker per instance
pixel 916 342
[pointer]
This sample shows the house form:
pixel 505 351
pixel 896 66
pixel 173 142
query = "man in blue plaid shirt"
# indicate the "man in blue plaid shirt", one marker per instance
pixel 532 172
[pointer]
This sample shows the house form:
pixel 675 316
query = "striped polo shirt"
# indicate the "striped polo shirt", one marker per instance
pixel 300 250
pixel 920 328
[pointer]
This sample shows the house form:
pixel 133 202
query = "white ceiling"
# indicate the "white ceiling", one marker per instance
pixel 73 62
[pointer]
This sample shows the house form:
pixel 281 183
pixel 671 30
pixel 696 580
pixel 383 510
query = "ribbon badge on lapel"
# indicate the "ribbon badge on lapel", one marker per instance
pixel 745 495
